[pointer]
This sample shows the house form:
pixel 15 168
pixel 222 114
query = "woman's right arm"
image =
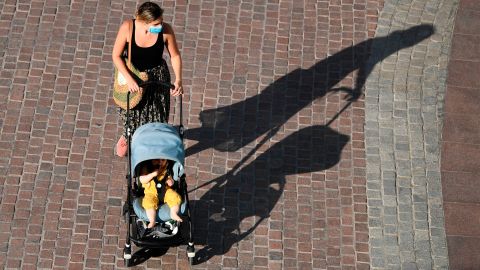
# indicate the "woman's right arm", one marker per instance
pixel 118 47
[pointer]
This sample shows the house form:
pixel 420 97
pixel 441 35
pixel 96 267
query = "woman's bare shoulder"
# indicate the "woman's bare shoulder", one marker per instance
pixel 126 24
pixel 125 29
pixel 168 29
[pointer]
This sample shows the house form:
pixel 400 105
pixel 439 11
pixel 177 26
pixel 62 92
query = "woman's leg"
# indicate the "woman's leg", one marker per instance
pixel 122 144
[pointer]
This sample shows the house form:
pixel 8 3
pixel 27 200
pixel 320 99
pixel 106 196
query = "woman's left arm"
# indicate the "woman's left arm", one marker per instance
pixel 175 58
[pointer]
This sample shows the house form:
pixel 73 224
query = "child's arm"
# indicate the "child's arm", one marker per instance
pixel 147 177
pixel 169 181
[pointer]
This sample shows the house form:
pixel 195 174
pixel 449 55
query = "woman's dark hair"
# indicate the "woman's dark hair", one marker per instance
pixel 149 12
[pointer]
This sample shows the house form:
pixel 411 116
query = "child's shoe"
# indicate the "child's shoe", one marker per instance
pixel 172 225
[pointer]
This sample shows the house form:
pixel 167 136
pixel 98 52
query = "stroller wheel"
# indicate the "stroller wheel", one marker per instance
pixel 191 253
pixel 127 255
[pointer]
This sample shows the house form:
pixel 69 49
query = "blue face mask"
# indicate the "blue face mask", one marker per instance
pixel 155 29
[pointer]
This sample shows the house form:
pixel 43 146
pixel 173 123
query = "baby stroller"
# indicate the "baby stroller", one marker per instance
pixel 156 141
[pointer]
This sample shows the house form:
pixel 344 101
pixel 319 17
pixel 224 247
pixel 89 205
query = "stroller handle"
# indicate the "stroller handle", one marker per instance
pixel 181 129
pixel 169 85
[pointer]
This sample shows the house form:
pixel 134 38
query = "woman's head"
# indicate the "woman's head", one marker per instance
pixel 149 12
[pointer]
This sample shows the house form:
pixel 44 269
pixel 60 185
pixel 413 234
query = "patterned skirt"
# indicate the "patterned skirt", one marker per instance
pixel 155 104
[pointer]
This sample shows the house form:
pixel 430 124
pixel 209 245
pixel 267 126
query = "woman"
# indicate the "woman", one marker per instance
pixel 149 38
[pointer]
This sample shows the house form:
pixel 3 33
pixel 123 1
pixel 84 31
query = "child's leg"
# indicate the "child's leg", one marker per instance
pixel 151 214
pixel 173 200
pixel 174 213
pixel 150 204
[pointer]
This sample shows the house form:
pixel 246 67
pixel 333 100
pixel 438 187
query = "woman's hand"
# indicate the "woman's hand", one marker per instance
pixel 133 86
pixel 178 90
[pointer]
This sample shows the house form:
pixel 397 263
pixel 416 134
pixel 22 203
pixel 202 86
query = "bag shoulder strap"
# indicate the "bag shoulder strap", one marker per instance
pixel 130 31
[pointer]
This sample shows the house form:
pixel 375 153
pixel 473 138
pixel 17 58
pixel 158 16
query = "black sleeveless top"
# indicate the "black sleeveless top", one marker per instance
pixel 147 58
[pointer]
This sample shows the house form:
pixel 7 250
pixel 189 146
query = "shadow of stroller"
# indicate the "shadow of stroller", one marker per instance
pixel 237 125
pixel 143 254
pixel 254 190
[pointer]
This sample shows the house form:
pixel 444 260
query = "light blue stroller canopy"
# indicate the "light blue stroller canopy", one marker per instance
pixel 158 141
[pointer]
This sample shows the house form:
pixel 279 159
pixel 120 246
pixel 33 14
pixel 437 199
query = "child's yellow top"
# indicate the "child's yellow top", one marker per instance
pixel 150 201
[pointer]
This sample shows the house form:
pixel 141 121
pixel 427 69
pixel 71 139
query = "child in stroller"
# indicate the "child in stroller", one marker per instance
pixel 158 188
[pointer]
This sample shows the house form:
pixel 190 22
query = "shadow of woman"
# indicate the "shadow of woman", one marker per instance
pixel 224 215
pixel 231 127
pixel 241 199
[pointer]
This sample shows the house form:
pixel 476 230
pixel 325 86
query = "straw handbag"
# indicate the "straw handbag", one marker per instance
pixel 120 86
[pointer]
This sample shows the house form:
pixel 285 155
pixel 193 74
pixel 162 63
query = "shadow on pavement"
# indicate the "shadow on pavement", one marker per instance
pixel 246 195
pixel 254 190
pixel 234 126
pixel 144 254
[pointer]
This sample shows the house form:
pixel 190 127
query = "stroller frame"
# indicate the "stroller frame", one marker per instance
pixel 130 214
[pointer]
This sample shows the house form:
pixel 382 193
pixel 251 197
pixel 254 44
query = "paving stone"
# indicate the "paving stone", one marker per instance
pixel 409 266
pixel 409 132
pixel 390 229
pixel 374 212
pixel 389 220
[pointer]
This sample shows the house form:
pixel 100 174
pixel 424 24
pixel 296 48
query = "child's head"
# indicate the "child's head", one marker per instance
pixel 159 163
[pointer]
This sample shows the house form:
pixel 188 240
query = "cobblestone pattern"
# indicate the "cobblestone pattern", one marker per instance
pixel 296 200
pixel 404 115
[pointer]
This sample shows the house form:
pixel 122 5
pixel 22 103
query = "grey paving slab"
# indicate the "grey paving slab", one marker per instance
pixel 404 116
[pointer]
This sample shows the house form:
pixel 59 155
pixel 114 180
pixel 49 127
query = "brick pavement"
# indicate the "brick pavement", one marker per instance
pixel 263 79
pixel 460 141
pixel 404 100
